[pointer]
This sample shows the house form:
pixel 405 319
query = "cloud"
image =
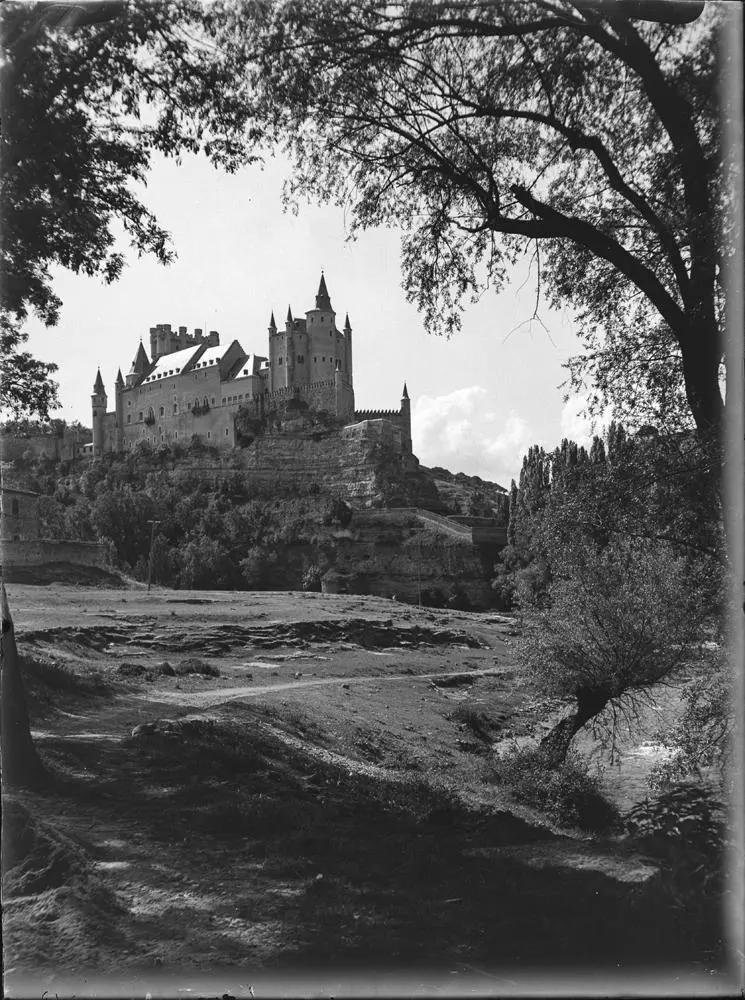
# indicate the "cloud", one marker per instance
pixel 577 425
pixel 464 432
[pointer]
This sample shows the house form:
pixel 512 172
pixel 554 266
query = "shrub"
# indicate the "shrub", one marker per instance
pixel 475 719
pixel 684 828
pixel 196 666
pixel 566 794
pixel 684 824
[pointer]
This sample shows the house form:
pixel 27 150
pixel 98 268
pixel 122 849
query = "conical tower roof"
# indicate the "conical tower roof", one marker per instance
pixel 119 379
pixel 272 324
pixel 322 298
pixel 405 394
pixel 140 362
pixel 347 324
pixel 289 315
pixel 98 386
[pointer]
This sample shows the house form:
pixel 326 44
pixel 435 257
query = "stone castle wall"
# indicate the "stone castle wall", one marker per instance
pixel 42 552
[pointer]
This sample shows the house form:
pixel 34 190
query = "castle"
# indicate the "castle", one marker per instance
pixel 192 386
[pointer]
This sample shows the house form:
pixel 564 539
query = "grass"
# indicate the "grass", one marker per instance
pixel 45 678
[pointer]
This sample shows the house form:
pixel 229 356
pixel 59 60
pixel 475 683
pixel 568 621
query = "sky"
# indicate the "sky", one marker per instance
pixel 479 400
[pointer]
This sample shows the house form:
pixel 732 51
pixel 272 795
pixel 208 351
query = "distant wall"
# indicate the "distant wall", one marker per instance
pixel 39 552
pixel 57 448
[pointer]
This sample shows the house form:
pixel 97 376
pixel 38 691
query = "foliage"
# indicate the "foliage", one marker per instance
pixel 618 620
pixel 647 485
pixel 25 382
pixel 568 794
pixel 704 736
pixel 89 93
pixel 584 135
pixel 685 827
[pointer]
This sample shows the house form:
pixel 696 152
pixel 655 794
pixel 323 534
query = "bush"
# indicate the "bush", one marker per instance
pixel 196 666
pixel 684 824
pixel 567 794
pixel 475 719
pixel 684 828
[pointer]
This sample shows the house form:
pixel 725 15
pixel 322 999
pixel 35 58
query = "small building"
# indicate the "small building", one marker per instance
pixel 19 515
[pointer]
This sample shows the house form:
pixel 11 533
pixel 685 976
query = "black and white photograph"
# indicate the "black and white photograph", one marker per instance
pixel 372 472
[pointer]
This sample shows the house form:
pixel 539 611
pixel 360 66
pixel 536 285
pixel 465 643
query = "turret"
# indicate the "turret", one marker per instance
pixel 348 346
pixel 98 407
pixel 406 420
pixel 119 396
pixel 139 366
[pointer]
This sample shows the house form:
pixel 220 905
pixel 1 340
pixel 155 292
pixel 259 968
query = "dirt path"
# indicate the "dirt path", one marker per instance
pixel 210 699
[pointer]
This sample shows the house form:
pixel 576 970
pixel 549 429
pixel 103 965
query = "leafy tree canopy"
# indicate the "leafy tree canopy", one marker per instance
pixel 575 131
pixel 89 92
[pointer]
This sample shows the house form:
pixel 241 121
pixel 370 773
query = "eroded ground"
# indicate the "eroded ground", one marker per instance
pixel 326 801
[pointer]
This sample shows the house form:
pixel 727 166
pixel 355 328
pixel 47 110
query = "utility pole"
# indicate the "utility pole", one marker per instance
pixel 150 558
pixel 419 565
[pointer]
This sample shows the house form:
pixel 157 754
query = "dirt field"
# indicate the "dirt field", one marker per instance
pixel 320 796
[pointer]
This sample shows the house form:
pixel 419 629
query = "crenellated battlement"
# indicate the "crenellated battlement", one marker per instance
pixel 376 414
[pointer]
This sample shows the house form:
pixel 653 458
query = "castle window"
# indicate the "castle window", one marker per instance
pixel 129 402
pixel 175 434
pixel 162 411
pixel 188 404
pixel 139 415
pixel 279 361
pixel 226 432
pixel 314 360
pixel 175 407
pixel 14 506
pixel 213 400
pixel 209 434
pixel 323 358
pixel 245 371
pixel 129 418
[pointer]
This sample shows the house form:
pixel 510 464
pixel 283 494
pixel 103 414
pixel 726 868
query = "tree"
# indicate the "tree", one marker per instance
pixel 579 132
pixel 620 618
pixel 21 766
pixel 89 92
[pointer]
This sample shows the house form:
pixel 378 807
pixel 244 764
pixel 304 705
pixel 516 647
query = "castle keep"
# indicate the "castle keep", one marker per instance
pixel 191 385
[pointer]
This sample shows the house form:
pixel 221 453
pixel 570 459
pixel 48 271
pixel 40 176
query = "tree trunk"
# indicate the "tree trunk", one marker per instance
pixel 21 767
pixel 555 745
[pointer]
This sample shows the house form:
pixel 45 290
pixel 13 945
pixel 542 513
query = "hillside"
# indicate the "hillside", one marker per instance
pixel 284 512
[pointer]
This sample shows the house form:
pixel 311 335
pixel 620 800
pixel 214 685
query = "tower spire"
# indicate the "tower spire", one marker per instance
pixel 289 315
pixel 98 386
pixel 347 324
pixel 272 324
pixel 322 297
pixel 405 393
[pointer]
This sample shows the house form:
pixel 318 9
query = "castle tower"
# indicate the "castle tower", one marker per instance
pixel 98 406
pixel 406 420
pixel 119 396
pixel 324 343
pixel 289 357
